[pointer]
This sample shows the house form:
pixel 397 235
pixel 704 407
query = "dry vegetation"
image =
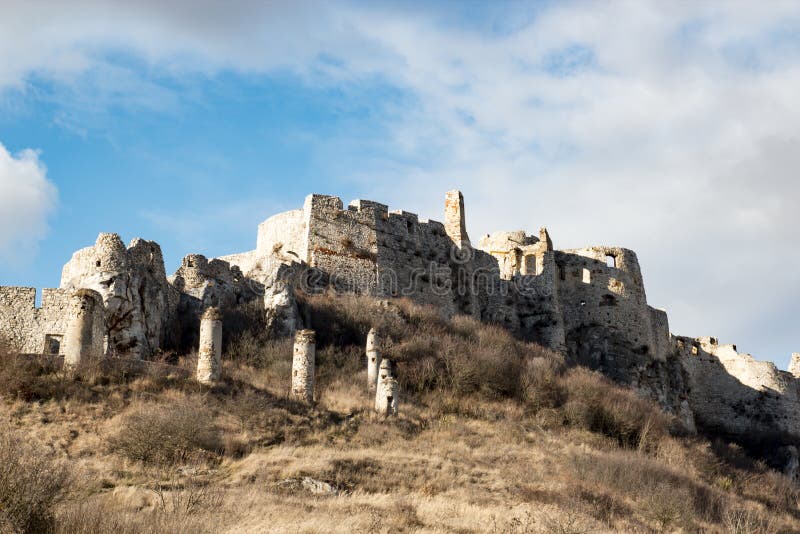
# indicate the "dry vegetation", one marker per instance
pixel 495 435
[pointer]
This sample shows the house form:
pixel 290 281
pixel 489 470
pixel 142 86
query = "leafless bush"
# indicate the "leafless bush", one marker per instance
pixel 186 496
pixel 27 378
pixel 666 496
pixel 739 520
pixel 32 482
pixel 166 433
pixel 597 405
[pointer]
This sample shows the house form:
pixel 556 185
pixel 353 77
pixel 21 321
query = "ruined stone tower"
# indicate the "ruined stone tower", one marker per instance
pixel 83 339
pixel 794 364
pixel 303 362
pixel 373 358
pixel 387 391
pixel 454 221
pixel 209 356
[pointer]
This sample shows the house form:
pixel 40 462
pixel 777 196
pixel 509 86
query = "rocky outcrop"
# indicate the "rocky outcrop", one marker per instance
pixel 140 303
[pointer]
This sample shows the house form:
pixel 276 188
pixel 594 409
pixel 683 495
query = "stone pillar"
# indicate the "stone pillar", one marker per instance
pixel 83 339
pixel 794 364
pixel 209 355
pixel 303 362
pixel 387 391
pixel 373 359
pixel 454 220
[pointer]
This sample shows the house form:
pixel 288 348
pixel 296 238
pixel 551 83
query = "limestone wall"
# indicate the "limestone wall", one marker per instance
pixel 213 283
pixel 737 395
pixel 29 329
pixel 604 306
pixel 141 305
pixel 284 233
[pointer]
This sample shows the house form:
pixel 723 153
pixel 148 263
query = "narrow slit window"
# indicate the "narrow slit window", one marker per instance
pixel 587 276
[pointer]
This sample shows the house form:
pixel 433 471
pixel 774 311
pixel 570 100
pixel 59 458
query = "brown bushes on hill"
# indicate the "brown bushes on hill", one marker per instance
pixel 166 433
pixel 32 482
pixel 462 356
pixel 599 406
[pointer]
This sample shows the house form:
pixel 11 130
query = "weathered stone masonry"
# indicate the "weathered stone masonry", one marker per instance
pixel 589 304
pixel 84 337
pixel 209 353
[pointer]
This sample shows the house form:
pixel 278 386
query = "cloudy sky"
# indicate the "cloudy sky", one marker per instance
pixel 672 128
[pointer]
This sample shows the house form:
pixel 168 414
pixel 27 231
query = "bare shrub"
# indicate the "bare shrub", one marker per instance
pixel 541 383
pixel 27 378
pixel 166 433
pixel 186 496
pixel 597 405
pixel 32 482
pixel 740 520
pixel 666 496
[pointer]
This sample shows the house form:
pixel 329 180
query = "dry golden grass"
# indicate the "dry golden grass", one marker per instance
pixel 547 449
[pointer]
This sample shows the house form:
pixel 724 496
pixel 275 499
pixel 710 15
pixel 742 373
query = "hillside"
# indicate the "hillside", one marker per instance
pixel 493 435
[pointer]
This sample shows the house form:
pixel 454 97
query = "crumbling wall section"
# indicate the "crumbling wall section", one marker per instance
pixel 141 304
pixel 416 260
pixel 29 329
pixel 286 234
pixel 604 306
pixel 342 243
pixel 739 396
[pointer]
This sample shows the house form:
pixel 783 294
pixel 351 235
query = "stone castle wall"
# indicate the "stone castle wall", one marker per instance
pixel 604 305
pixel 589 304
pixel 33 330
pixel 735 394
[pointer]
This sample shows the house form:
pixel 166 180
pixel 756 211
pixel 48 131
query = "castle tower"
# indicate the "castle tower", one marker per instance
pixel 794 364
pixel 303 362
pixel 544 237
pixel 373 358
pixel 454 220
pixel 209 355
pixel 83 339
pixel 387 391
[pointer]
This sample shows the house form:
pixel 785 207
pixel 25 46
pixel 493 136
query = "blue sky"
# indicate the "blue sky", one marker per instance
pixel 669 128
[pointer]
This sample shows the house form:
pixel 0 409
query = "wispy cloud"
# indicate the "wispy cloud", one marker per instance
pixel 27 198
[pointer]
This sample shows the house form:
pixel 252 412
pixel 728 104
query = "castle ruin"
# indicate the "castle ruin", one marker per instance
pixel 588 304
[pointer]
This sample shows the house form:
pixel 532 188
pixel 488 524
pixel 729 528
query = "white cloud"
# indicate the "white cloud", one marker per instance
pixel 27 198
pixel 670 128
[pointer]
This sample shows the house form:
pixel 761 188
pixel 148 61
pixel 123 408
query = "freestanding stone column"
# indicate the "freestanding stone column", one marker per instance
pixel 373 358
pixel 794 364
pixel 303 362
pixel 83 339
pixel 209 356
pixel 387 391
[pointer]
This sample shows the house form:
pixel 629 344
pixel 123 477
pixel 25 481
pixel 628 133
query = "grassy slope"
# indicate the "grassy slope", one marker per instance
pixel 494 436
